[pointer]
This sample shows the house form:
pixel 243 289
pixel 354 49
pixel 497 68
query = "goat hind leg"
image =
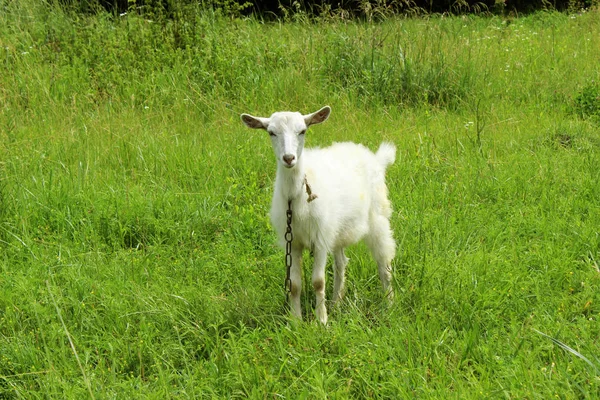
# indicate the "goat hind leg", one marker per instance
pixel 339 275
pixel 381 242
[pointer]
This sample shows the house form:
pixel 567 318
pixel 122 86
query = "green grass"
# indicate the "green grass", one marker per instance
pixel 136 255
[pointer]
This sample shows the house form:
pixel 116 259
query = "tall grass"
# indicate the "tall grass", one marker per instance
pixel 134 236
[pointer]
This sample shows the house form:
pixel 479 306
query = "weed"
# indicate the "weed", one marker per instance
pixel 587 102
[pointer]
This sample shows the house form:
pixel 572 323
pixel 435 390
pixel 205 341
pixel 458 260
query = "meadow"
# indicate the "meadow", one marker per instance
pixel 136 255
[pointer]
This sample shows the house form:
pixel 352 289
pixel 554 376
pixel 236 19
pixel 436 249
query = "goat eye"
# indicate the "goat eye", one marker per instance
pixel 271 134
pixel 302 132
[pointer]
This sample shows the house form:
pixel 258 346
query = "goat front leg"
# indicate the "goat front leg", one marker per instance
pixel 296 278
pixel 318 281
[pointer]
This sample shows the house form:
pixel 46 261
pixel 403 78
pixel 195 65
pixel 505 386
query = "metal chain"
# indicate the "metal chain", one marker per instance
pixel 288 252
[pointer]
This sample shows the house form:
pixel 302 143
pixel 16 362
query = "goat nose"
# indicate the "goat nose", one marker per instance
pixel 289 158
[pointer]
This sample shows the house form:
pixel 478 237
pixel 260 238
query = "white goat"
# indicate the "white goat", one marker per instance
pixel 347 183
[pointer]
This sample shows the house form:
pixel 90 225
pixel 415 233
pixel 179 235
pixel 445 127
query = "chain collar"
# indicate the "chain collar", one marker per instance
pixel 289 237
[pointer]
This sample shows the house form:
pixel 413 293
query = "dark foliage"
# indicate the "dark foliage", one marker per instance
pixel 525 6
pixel 354 8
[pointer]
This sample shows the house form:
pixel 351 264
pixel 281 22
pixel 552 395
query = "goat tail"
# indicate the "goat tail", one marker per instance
pixel 386 154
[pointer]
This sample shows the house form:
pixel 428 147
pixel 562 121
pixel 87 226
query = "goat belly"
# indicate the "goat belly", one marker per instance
pixel 351 232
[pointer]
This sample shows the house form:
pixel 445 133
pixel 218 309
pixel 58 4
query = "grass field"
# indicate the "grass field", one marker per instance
pixel 136 255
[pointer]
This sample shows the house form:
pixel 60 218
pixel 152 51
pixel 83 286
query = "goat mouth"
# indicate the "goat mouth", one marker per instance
pixel 288 161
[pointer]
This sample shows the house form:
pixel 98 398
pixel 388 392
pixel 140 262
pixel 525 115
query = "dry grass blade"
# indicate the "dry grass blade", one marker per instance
pixel 62 322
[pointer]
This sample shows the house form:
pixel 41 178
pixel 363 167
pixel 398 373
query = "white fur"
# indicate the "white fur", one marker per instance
pixel 351 203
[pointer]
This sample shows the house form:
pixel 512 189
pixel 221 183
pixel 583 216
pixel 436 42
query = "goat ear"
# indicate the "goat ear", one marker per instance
pixel 254 122
pixel 318 116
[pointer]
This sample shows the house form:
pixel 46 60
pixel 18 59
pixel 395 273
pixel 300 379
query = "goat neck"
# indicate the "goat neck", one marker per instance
pixel 289 181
